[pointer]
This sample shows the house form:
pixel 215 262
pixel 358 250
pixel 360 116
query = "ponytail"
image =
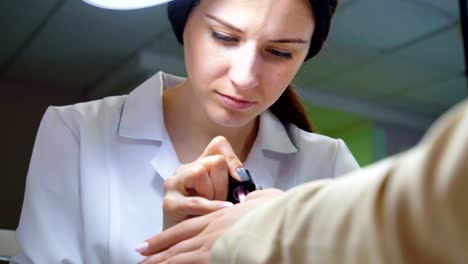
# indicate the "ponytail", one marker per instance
pixel 289 109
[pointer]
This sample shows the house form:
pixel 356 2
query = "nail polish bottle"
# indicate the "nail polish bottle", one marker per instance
pixel 237 190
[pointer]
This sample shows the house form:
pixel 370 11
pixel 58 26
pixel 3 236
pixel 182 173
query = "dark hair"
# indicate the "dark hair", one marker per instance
pixel 288 107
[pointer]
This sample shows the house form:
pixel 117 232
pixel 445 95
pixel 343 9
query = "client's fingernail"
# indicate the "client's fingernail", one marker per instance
pixel 241 197
pixel 239 194
pixel 142 247
pixel 243 174
pixel 226 204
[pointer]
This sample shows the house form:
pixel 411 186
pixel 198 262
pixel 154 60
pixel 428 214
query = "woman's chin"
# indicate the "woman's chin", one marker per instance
pixel 231 120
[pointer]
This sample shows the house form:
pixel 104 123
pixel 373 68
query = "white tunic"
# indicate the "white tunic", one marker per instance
pixel 95 183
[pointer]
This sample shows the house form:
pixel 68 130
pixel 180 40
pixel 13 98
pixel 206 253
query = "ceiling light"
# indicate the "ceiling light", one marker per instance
pixel 125 4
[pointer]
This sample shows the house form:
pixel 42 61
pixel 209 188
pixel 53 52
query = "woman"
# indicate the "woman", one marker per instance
pixel 101 172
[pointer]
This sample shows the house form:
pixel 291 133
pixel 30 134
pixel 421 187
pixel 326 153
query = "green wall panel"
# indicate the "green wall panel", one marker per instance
pixel 355 130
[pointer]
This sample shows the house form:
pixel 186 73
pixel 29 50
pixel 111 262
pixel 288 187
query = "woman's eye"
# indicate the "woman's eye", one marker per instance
pixel 281 54
pixel 223 37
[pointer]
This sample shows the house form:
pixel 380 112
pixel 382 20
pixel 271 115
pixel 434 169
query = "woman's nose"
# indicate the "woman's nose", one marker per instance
pixel 244 71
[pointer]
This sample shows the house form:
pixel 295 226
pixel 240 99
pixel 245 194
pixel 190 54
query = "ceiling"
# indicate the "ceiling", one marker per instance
pixel 398 61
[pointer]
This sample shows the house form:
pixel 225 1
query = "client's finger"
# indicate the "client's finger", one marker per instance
pixel 180 232
pixel 182 206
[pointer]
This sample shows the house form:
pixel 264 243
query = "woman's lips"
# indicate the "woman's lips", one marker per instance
pixel 235 103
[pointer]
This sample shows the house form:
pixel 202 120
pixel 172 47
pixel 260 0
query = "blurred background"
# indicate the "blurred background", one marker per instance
pixel 389 69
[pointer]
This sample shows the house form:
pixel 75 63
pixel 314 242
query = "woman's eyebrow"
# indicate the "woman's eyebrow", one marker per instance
pixel 227 24
pixel 298 40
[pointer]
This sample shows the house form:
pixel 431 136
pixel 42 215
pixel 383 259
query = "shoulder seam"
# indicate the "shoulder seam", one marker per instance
pixel 337 146
pixel 65 123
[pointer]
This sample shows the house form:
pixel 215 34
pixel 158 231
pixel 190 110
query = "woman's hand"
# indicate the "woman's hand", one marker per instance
pixel 191 241
pixel 201 187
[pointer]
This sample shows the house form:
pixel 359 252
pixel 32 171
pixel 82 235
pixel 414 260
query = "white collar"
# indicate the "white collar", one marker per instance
pixel 142 113
pixel 142 116
pixel 272 135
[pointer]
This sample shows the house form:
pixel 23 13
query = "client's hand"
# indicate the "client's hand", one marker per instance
pixel 191 241
pixel 201 187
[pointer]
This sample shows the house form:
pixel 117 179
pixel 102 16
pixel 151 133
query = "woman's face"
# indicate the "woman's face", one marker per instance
pixel 242 54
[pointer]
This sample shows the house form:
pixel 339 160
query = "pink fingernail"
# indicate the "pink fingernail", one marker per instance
pixel 226 204
pixel 241 197
pixel 142 247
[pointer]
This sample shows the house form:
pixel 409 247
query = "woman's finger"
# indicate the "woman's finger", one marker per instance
pixel 207 177
pixel 191 180
pixel 221 146
pixel 218 175
pixel 197 181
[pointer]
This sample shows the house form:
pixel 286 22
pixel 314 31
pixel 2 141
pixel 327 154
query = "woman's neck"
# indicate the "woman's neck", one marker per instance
pixel 190 129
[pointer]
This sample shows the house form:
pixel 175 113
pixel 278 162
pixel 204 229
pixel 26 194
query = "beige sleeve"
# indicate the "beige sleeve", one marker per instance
pixel 412 208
